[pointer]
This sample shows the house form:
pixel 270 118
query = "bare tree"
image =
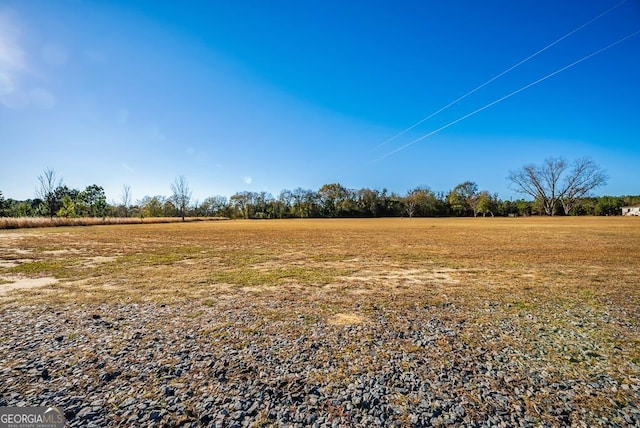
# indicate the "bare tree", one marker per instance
pixel 540 182
pixel 410 204
pixel 46 191
pixel 181 194
pixel 582 179
pixel 548 184
pixel 125 198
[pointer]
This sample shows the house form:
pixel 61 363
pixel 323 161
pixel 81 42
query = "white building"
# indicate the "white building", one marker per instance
pixel 631 210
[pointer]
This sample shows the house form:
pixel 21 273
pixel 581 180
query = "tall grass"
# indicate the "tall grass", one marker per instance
pixel 32 222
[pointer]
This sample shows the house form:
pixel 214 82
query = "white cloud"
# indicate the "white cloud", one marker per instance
pixel 247 180
pixel 17 89
pixel 12 62
pixel 12 57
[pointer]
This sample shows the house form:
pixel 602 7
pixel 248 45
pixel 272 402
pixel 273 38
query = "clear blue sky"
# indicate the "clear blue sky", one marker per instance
pixel 266 95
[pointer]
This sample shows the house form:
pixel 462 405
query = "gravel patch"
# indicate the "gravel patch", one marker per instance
pixel 234 366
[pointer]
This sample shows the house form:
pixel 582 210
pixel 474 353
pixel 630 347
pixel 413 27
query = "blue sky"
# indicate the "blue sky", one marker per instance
pixel 255 95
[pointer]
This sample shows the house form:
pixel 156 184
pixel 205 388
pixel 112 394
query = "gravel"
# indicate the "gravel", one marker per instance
pixel 236 366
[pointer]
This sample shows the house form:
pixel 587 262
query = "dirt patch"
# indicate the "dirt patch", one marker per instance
pixel 346 319
pixel 404 276
pixel 8 263
pixel 62 252
pixel 21 283
pixel 13 235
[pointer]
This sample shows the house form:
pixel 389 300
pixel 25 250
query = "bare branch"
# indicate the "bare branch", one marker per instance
pixel 126 199
pixel 181 194
pixel 546 184
pixel 49 182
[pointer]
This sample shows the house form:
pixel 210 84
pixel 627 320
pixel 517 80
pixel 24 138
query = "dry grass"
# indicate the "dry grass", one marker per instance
pixel 36 222
pixel 466 259
pixel 562 290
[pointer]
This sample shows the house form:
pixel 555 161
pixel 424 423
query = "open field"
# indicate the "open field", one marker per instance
pixel 37 222
pixel 501 322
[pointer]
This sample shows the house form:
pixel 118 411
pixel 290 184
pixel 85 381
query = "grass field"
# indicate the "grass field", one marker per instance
pixel 564 293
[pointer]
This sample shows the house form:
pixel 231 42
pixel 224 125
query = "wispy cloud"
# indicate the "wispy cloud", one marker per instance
pixel 12 57
pixel 126 167
pixel 247 180
pixel 17 86
pixel 12 61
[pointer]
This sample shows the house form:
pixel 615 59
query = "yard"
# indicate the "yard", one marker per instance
pixel 494 321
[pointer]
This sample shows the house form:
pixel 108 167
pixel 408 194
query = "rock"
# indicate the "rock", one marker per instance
pixel 85 413
pixel 128 402
pixel 253 408
pixel 155 415
pixel 229 367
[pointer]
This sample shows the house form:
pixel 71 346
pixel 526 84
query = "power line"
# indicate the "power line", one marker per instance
pixel 542 79
pixel 440 110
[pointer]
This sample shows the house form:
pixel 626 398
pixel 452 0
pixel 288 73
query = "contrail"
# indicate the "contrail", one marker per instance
pixel 542 79
pixel 440 110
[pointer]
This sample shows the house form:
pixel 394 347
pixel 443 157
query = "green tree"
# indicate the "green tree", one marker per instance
pixel 169 209
pixel 216 206
pixel 304 202
pixel 285 198
pixel 151 206
pixel 391 204
pixel 56 201
pixel 242 202
pixel 261 203
pixel 524 208
pixel 463 197
pixel 486 204
pixel 332 199
pixel 68 208
pixel 368 202
pixel 420 201
pixel 95 201
pixel 608 205
pixel 277 209
pixel 584 206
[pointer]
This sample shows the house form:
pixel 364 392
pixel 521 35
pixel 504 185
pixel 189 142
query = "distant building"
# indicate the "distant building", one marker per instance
pixel 631 210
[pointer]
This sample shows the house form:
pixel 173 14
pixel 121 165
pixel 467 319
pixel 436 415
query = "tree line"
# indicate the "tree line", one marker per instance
pixel 556 187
